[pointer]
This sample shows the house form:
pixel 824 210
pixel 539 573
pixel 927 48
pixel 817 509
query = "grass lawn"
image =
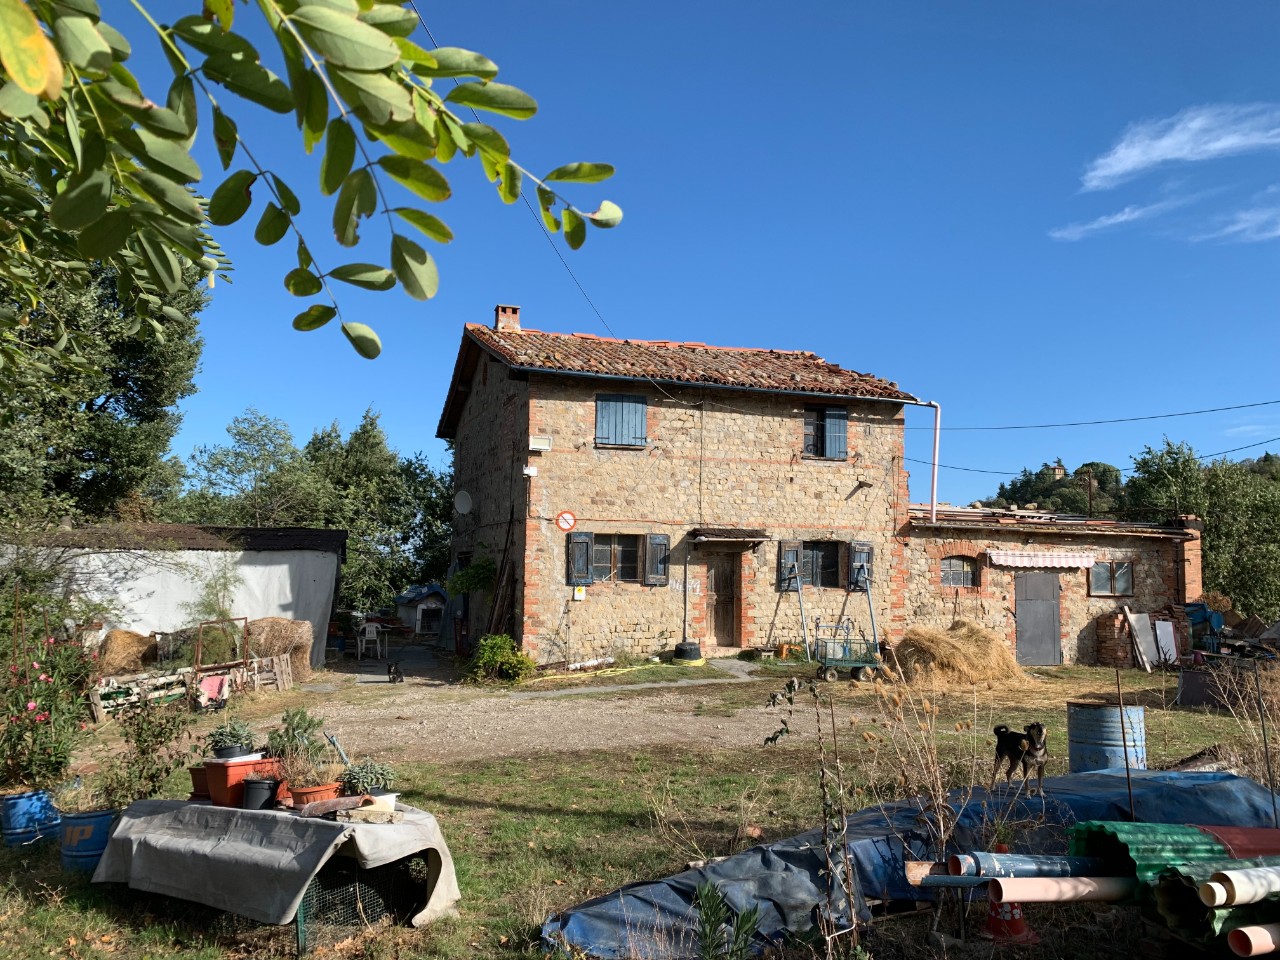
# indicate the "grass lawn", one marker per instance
pixel 533 835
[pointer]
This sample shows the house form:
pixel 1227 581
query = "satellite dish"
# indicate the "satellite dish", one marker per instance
pixel 462 502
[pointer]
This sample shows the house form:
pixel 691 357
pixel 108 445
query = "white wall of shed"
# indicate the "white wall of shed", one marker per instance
pixel 154 590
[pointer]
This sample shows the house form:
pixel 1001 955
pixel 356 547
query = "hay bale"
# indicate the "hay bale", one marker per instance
pixel 964 653
pixel 280 636
pixel 124 651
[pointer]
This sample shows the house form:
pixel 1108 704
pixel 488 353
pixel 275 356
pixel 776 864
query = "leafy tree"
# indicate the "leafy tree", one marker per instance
pixel 94 169
pixel 93 437
pixel 1066 493
pixel 396 511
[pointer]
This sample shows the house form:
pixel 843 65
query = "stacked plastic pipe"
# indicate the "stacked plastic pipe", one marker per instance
pixel 1206 883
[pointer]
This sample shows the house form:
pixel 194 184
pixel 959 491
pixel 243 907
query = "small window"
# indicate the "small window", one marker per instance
pixel 621 420
pixel 815 562
pixel 1111 578
pixel 959 572
pixel 826 432
pixel 616 557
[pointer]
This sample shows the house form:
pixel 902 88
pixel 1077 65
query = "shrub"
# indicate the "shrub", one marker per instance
pixel 478 576
pixel 43 710
pixel 155 738
pixel 299 732
pixel 497 658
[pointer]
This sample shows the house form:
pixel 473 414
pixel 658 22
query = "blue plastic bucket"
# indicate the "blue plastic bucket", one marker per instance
pixel 27 817
pixel 84 837
pixel 1095 741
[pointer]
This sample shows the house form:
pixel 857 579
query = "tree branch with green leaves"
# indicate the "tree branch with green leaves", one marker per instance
pixel 93 169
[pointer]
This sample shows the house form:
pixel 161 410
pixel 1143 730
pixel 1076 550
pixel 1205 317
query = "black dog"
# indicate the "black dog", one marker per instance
pixel 394 673
pixel 1027 749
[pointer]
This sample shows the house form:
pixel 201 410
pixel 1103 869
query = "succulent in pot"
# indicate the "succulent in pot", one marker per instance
pixel 230 739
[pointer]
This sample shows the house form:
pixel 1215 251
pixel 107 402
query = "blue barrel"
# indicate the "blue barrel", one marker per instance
pixel 1094 740
pixel 84 837
pixel 27 817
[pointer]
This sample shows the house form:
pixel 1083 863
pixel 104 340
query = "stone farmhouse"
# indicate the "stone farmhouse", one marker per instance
pixel 633 494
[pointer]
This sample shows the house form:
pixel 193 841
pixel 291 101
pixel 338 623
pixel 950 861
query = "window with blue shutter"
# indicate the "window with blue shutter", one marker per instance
pixel 581 546
pixel 657 559
pixel 826 431
pixel 622 420
pixel 861 562
pixel 789 573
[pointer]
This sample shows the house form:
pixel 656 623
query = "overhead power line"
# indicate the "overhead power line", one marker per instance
pixel 1098 423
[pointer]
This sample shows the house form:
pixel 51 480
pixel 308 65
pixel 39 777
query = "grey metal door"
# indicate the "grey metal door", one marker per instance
pixel 1035 608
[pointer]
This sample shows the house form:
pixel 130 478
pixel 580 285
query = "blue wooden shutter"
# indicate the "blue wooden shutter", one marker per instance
pixel 837 429
pixel 789 573
pixel 657 559
pixel 621 419
pixel 581 546
pixel 861 564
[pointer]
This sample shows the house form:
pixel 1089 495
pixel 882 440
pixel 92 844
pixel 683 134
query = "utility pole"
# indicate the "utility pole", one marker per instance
pixel 1088 473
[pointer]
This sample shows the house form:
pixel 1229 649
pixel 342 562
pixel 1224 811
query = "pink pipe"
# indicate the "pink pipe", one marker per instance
pixel 1254 941
pixel 1060 889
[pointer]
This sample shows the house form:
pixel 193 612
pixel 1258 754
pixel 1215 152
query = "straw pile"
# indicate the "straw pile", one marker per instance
pixel 124 651
pixel 278 636
pixel 964 653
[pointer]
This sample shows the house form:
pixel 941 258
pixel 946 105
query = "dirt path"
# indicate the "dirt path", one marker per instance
pixel 429 719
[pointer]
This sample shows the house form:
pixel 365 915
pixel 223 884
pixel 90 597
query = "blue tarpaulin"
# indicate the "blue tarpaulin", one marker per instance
pixel 655 920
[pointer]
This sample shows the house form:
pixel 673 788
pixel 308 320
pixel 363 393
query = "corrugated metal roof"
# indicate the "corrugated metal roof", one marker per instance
pixel 182 536
pixel 1150 847
pixel 1247 841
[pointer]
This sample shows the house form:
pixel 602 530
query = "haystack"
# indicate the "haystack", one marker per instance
pixel 279 636
pixel 964 653
pixel 124 651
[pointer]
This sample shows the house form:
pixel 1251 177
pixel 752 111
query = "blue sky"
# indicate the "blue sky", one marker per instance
pixel 1031 213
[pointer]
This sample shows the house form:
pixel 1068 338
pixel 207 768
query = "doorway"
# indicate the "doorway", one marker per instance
pixel 722 599
pixel 1035 611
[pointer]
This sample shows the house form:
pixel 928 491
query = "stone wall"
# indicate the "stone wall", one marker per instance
pixel 488 465
pixel 1157 581
pixel 713 458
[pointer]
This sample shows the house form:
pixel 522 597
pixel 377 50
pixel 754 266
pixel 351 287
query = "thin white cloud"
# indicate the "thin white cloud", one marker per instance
pixel 1251 225
pixel 1197 133
pixel 1249 430
pixel 1078 231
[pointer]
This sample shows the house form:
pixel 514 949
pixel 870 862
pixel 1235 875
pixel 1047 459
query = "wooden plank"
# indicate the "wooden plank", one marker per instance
pixel 96 708
pixel 286 673
pixel 1137 622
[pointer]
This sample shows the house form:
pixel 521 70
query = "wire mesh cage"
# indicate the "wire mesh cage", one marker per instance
pixel 343 895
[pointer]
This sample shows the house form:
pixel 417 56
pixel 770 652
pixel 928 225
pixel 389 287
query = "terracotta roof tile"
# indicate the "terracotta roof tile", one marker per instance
pixel 791 371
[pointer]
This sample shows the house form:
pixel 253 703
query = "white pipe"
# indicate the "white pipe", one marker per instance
pixel 1254 941
pixel 1244 886
pixel 1060 889
pixel 937 441
pixel 1213 894
pixel 588 664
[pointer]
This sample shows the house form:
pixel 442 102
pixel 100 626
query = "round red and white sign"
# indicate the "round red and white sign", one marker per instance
pixel 566 521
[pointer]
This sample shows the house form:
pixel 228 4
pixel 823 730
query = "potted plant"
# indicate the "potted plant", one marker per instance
pixel 43 698
pixel 230 740
pixel 299 732
pixel 309 778
pixel 372 778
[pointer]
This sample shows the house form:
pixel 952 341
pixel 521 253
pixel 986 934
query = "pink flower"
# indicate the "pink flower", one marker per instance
pixel 44 676
pixel 41 717
pixel 34 665
pixel 31 704
pixel 83 725
pixel 48 641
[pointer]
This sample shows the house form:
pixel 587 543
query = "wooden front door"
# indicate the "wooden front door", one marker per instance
pixel 722 596
pixel 1035 608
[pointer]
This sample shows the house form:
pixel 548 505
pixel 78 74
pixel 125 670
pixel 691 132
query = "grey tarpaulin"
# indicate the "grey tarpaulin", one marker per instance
pixel 257 863
pixel 654 920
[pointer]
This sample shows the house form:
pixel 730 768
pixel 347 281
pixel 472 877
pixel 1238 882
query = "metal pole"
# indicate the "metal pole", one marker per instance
pixel 875 635
pixel 1124 741
pixel 1266 746
pixel 684 625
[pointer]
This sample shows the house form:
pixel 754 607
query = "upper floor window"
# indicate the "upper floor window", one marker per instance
pixel 825 432
pixel 959 572
pixel 1111 578
pixel 621 420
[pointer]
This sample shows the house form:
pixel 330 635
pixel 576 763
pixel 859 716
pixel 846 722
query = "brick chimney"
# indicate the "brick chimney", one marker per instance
pixel 506 319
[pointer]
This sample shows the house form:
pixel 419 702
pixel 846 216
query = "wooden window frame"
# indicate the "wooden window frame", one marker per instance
pixel 969 566
pixel 615 543
pixel 820 440
pixel 805 554
pixel 1111 578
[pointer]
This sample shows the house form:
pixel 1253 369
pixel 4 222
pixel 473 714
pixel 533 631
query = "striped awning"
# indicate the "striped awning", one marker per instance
pixel 1043 559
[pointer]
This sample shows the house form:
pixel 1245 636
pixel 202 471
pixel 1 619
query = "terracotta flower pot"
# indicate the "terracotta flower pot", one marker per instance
pixel 226 780
pixel 304 795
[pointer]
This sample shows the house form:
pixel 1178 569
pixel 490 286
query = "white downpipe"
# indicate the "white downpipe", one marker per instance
pixel 937 442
